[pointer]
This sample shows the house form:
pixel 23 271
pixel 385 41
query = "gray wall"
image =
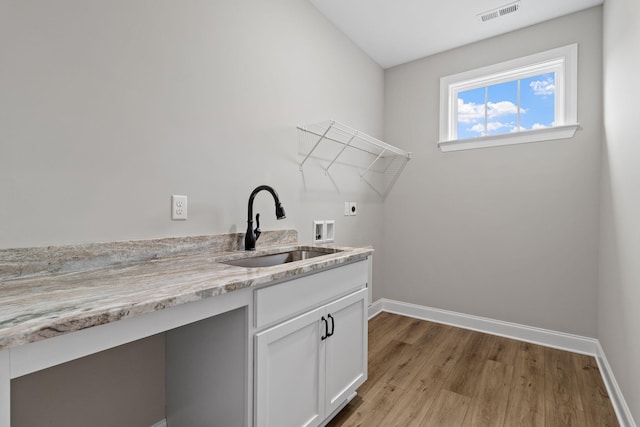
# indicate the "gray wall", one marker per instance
pixel 110 107
pixel 111 388
pixel 619 291
pixel 508 233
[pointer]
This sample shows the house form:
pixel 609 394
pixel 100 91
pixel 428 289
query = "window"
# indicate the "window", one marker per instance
pixel 524 100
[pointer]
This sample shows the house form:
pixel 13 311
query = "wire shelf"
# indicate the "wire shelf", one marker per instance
pixel 379 163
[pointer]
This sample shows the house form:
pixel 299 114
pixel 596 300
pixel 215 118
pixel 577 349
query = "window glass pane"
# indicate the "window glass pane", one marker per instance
pixel 502 108
pixel 537 99
pixel 471 113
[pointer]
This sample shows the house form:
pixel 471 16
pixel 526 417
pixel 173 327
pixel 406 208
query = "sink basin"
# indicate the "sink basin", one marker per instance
pixel 277 259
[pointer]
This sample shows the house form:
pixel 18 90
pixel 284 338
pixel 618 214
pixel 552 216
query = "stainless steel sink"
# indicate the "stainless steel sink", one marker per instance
pixel 277 259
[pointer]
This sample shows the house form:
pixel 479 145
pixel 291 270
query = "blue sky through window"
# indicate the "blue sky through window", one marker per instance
pixel 494 110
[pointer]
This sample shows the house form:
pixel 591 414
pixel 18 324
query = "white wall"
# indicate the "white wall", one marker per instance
pixel 110 107
pixel 619 290
pixel 508 233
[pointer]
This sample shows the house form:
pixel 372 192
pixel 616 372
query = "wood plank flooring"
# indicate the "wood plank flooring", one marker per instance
pixel 427 374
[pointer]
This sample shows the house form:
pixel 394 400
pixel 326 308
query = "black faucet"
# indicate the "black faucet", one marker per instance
pixel 252 235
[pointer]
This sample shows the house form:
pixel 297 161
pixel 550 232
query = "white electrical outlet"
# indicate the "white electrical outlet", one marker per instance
pixel 353 208
pixel 347 209
pixel 178 208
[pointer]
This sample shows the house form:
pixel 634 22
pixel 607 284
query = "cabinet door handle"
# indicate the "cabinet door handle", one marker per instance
pixel 333 325
pixel 326 328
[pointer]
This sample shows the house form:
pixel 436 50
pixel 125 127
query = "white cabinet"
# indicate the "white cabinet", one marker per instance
pixel 289 365
pixel 345 349
pixel 308 366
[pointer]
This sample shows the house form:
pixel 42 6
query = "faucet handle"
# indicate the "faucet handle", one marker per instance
pixel 257 231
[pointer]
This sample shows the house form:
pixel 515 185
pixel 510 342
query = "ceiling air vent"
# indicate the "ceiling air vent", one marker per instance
pixel 500 11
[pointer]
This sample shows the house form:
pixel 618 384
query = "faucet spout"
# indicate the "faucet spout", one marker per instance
pixel 252 235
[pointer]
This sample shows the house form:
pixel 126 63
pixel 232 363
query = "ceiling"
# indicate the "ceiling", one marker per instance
pixel 393 32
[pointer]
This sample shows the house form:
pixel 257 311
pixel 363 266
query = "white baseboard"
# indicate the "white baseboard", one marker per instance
pixel 544 337
pixel 161 423
pixel 375 308
pixel 617 400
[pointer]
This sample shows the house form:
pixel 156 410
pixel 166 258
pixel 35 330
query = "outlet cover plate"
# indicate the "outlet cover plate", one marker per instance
pixel 178 208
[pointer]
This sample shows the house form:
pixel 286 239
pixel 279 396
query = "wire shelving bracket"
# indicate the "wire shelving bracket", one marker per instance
pixel 383 162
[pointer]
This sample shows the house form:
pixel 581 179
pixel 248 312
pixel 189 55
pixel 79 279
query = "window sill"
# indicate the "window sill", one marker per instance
pixel 549 134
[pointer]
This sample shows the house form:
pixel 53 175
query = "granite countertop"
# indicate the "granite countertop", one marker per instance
pixel 66 296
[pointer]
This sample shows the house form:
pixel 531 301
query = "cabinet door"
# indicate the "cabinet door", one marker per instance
pixel 346 348
pixel 290 373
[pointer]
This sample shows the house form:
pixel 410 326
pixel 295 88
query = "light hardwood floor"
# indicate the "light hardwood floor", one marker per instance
pixel 427 374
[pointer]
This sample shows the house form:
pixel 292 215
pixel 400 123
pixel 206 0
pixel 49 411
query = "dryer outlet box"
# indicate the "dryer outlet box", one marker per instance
pixel 353 208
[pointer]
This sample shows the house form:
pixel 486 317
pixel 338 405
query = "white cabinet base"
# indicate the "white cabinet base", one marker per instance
pixel 289 364
pixel 338 409
pixel 310 366
pixel 346 349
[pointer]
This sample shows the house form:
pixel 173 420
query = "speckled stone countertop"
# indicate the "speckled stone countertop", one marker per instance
pixel 46 292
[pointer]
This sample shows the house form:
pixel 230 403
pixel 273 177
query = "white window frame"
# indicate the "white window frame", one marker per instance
pixel 563 61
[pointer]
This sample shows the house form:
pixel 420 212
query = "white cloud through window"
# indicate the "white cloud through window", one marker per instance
pixel 543 87
pixel 538 126
pixel 473 114
pixel 491 126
